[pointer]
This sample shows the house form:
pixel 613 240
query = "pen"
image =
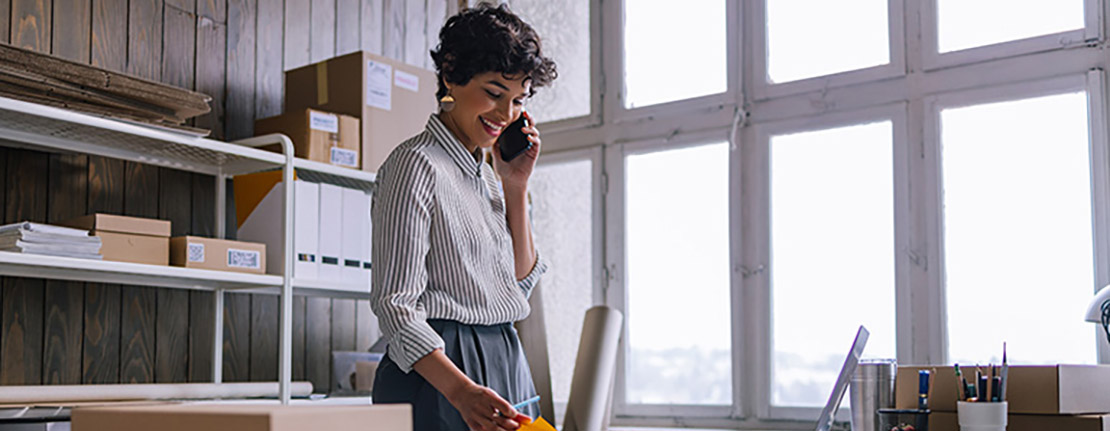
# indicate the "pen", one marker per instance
pixel 1005 370
pixel 959 389
pixel 983 396
pixel 996 388
pixel 526 402
pixel 923 389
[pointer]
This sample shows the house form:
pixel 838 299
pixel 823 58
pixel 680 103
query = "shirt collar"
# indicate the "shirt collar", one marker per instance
pixel 455 149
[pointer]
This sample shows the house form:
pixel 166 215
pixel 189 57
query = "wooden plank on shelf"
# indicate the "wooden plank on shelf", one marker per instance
pixel 21 300
pixel 269 76
pixel 172 307
pixel 437 16
pixel 265 316
pixel 371 26
pixel 321 30
pixel 318 343
pixel 201 306
pixel 101 347
pixel 64 300
pixel 241 36
pixel 237 336
pixel 171 328
pixel 299 304
pixel 393 22
pixel 109 35
pixel 202 318
pixel 347 26
pixel 64 303
pixel 343 322
pixel 212 70
pixel 21 305
pixel 30 26
pixel 366 326
pixel 297 33
pixel 72 30
pixel 415 20
pixel 144 39
pixel 137 314
pixel 137 334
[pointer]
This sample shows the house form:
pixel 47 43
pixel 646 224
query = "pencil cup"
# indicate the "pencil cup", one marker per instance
pixel 981 416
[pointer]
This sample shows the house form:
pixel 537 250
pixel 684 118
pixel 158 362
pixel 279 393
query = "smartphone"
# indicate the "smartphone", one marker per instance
pixel 513 140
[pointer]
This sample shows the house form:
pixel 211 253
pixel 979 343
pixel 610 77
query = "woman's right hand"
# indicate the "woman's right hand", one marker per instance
pixel 484 410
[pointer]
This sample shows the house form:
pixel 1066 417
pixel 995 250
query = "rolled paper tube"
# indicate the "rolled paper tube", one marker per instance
pixel 594 371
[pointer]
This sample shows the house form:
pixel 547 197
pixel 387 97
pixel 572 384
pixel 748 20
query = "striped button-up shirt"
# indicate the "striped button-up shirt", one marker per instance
pixel 442 248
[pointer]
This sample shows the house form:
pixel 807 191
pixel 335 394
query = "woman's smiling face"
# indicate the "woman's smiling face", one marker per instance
pixel 484 107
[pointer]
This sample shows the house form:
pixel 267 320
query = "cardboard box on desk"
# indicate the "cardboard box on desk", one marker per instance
pixel 218 254
pixel 317 135
pixel 391 99
pixel 1033 389
pixel 128 239
pixel 948 421
pixel 244 417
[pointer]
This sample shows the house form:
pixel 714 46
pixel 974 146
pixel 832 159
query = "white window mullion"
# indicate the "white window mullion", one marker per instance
pixel 615 261
pixel 1100 191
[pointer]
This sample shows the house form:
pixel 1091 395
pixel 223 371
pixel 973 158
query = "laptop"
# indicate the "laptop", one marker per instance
pixel 825 421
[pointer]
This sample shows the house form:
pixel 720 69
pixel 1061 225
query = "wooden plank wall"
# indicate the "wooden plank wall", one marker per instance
pixel 54 332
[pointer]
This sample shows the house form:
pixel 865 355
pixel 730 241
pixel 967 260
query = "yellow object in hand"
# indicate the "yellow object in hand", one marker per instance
pixel 538 425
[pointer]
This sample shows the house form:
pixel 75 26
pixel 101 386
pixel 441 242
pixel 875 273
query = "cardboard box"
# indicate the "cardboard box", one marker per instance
pixel 317 135
pixel 391 99
pixel 244 417
pixel 128 239
pixel 1033 389
pixel 948 421
pixel 218 254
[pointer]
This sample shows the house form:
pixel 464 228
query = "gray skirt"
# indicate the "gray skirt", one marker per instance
pixel 490 355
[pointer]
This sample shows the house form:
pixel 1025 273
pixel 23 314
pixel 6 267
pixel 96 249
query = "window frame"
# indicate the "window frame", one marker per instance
pixel 756 260
pixel 1092 31
pixel 598 280
pixel 614 108
pixel 1092 84
pixel 674 415
pixel 763 88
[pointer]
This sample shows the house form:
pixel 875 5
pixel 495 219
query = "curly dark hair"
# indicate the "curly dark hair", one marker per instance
pixel 488 38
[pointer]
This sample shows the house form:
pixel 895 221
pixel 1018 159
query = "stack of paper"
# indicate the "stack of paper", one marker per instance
pixel 35 238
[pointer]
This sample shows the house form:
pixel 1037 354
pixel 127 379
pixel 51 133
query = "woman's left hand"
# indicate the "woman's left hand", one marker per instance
pixel 515 173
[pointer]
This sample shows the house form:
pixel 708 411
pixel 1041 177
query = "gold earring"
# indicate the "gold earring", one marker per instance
pixel 447 103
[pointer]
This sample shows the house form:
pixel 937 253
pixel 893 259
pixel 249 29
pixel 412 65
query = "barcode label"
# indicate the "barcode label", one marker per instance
pixel 196 252
pixel 323 122
pixel 344 157
pixel 244 259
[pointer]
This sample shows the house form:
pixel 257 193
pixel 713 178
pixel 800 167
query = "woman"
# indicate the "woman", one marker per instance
pixel 453 257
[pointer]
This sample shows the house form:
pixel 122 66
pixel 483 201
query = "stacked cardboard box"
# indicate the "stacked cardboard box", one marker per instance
pixel 128 239
pixel 244 417
pixel 317 135
pixel 392 100
pixel 1064 397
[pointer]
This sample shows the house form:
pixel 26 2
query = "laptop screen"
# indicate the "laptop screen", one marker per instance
pixel 824 422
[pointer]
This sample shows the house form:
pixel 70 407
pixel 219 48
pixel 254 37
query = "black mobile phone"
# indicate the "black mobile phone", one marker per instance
pixel 513 141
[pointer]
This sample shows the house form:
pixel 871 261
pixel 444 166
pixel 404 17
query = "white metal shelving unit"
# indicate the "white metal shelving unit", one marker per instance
pixel 44 128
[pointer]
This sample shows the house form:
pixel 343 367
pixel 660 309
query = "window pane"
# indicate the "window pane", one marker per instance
pixel 562 196
pixel 808 38
pixel 961 23
pixel 1017 230
pixel 564 27
pixel 832 254
pixel 673 52
pixel 679 328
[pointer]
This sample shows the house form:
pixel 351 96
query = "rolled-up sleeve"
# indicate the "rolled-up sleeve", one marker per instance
pixel 402 216
pixel 529 281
